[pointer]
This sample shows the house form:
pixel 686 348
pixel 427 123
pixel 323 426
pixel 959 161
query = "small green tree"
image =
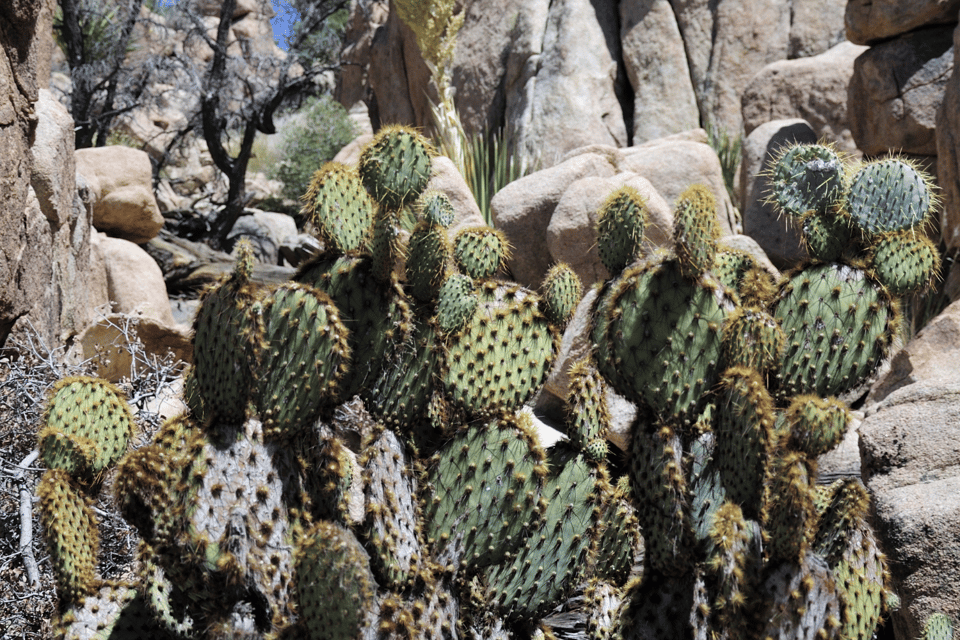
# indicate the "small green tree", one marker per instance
pixel 325 128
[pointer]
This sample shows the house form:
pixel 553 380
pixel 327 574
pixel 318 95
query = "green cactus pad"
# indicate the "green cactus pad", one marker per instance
pixel 730 266
pixel 838 327
pixel 395 167
pixel 938 627
pixel 744 432
pixel 905 262
pixel 889 195
pixel 662 500
pixel 336 590
pixel 621 221
pixel 658 338
pixel 456 303
pixel 399 394
pixel 339 207
pixel 545 568
pixel 482 492
pixel 392 526
pixel 148 484
pixel 227 334
pixel 826 235
pixel 480 251
pixel 861 580
pixel 436 209
pixel 499 360
pixel 588 417
pixel 86 427
pixel 752 338
pixel 561 290
pixel 427 257
pixel 617 541
pixel 304 357
pixel 696 230
pixel 70 529
pixel 375 315
pixel 806 177
pixel 816 424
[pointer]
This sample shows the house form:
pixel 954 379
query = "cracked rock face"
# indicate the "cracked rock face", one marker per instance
pixel 898 86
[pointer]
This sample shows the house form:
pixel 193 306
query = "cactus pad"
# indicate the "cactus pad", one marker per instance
pixel 481 251
pixel 561 290
pixel 905 262
pixel 456 303
pixel 889 195
pixel 838 326
pixel 696 230
pixel 395 167
pixel 70 528
pixel 658 337
pixel 806 177
pixel 86 426
pixel 482 492
pixel 339 207
pixel 335 586
pixel 305 355
pixel 503 355
pixel 620 224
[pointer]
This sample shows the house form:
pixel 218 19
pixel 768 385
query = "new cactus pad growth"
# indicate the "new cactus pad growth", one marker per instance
pixel 360 461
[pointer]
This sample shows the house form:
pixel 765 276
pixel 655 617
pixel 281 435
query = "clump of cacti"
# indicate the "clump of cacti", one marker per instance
pixel 435 512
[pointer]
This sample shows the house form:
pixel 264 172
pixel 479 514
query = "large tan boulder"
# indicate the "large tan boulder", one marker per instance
pixel 572 232
pixel 948 153
pixel 727 43
pixel 134 280
pixel 911 464
pixel 446 179
pixel 569 98
pixel 870 21
pixel 53 167
pixel 815 27
pixel 522 210
pixel 673 164
pixel 117 345
pixel 814 89
pixel 52 281
pixel 120 179
pixel 664 101
pixel 896 90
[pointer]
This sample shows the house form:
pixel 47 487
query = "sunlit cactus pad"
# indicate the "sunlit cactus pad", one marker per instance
pixel 838 327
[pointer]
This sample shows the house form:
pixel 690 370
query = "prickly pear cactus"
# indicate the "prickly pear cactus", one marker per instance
pixel 359 460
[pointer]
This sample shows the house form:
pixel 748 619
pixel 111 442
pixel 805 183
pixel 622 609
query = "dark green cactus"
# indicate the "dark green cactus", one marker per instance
pixel 561 290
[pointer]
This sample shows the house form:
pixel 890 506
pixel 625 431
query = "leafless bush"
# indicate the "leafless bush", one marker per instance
pixel 27 373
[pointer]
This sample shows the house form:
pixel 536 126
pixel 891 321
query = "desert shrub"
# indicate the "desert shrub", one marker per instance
pixel 324 129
